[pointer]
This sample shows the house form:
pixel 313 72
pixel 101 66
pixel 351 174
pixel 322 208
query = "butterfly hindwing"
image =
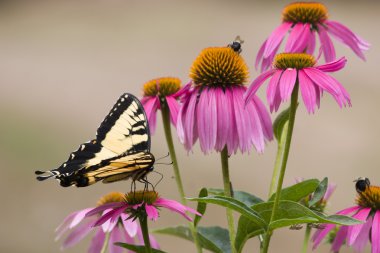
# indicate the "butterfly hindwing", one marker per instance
pixel 122 135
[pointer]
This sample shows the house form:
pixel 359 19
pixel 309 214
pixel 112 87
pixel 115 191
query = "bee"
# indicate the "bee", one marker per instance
pixel 236 44
pixel 361 184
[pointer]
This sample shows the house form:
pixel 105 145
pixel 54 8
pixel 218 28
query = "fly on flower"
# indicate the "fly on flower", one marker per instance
pixel 366 210
pixel 121 150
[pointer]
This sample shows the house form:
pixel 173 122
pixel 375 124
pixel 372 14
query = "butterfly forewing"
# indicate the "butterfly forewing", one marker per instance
pixel 120 150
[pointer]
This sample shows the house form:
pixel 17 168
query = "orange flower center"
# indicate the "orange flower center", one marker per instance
pixel 370 197
pixel 303 12
pixel 111 198
pixel 294 61
pixel 138 197
pixel 164 86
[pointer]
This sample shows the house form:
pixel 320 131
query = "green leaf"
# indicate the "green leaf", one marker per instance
pixel 215 239
pixel 242 196
pixel 291 213
pixel 201 208
pixel 136 248
pixel 280 124
pixel 235 205
pixel 246 230
pixel 319 192
pixel 298 191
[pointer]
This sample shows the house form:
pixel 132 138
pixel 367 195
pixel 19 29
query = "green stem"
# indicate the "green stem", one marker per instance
pixel 228 193
pixel 306 239
pixel 105 244
pixel 288 140
pixel 145 232
pixel 169 139
pixel 277 164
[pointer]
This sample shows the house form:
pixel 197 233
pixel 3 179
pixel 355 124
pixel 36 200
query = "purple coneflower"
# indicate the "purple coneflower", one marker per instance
pixel 300 68
pixel 157 91
pixel 213 108
pixel 304 20
pixel 120 229
pixel 357 236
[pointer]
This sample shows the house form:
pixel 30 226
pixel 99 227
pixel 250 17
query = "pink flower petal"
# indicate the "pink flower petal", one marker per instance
pixel 274 40
pixel 64 226
pixel 207 119
pixel 320 234
pixel 224 119
pixel 363 237
pixel 176 207
pixel 257 83
pixel 241 119
pixel 151 105
pixel 101 208
pixel 260 55
pixel 189 121
pixel 333 66
pixel 78 234
pixel 116 236
pixel 232 138
pixel 173 108
pixel 185 89
pixel 311 45
pixel 339 239
pixel 296 41
pixel 346 36
pixel 152 212
pixel 376 233
pixel 354 231
pixel 130 226
pixel 256 126
pixel 326 44
pixel 287 82
pixel 273 86
pixel 308 91
pixel 322 80
pixel 265 119
pixel 105 220
pixel 97 242
pixel 79 217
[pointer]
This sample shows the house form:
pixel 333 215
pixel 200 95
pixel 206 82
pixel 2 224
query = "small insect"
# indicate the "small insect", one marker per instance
pixel 361 184
pixel 296 227
pixel 236 44
pixel 121 150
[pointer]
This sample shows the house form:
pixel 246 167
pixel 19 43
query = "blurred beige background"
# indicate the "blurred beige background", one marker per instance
pixel 64 63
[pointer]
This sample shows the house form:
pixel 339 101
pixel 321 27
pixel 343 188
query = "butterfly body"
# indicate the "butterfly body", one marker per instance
pixel 120 151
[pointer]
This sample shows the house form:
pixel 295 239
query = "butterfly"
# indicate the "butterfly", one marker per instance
pixel 120 151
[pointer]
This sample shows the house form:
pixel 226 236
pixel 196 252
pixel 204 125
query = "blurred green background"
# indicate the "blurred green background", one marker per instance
pixel 64 63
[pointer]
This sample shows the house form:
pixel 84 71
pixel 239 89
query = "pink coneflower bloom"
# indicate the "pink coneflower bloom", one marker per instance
pixel 213 108
pixel 303 21
pixel 147 202
pixel 366 210
pixel 161 92
pixel 300 68
pixel 81 223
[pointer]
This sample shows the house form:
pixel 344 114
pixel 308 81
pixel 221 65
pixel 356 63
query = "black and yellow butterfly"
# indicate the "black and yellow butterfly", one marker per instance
pixel 120 151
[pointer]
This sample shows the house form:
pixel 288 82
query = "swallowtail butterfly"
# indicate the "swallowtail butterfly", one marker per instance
pixel 121 150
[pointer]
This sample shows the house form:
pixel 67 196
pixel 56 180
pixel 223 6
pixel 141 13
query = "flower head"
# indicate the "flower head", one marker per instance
pixel 138 203
pixel 303 20
pixel 81 223
pixel 292 68
pixel 357 236
pixel 159 92
pixel 213 109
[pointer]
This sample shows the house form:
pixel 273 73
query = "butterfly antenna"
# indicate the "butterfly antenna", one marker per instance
pixel 42 178
pixel 167 155
pixel 171 163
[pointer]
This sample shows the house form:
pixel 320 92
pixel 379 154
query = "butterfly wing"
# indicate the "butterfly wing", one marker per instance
pixel 124 131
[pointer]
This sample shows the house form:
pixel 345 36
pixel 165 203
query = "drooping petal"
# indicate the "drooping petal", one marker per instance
pixel 287 82
pixel 176 207
pixel 189 121
pixel 354 231
pixel 173 108
pixel 79 217
pixel 183 91
pixel 320 234
pixel 322 80
pixel 151 105
pixel 308 91
pixel 241 119
pixel 265 118
pixel 232 139
pixel 298 38
pixel 97 242
pixel 207 118
pixel 326 44
pixel 152 212
pixel 223 119
pixel 101 208
pixel 78 233
pixel 105 220
pixel 333 66
pixel 363 237
pixel 64 226
pixel 255 126
pixel 273 86
pixel 376 233
pixel 311 45
pixel 274 40
pixel 340 238
pixel 257 83
pixel 259 56
pixel 130 226
pixel 115 236
pixel 346 36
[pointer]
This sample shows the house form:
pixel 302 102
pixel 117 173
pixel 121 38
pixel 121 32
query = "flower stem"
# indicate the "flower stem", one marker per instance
pixel 169 139
pixel 105 244
pixel 288 140
pixel 144 228
pixel 306 239
pixel 276 169
pixel 228 193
